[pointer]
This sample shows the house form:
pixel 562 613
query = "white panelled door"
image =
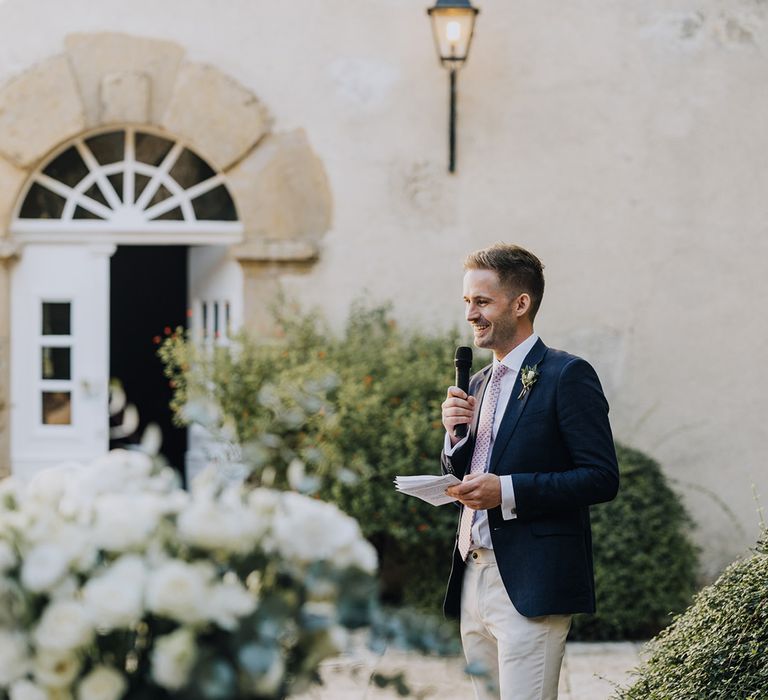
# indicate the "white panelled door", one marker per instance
pixel 216 301
pixel 59 355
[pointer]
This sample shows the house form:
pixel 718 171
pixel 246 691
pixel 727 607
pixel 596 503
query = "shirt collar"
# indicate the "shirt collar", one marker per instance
pixel 513 360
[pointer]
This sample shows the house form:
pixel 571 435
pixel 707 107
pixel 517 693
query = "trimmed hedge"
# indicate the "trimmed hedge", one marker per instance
pixel 718 648
pixel 645 563
pixel 381 418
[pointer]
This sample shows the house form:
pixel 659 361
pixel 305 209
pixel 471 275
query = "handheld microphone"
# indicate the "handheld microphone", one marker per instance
pixel 463 364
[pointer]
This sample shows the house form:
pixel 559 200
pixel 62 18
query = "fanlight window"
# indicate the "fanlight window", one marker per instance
pixel 128 180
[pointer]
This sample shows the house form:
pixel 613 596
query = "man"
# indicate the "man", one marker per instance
pixel 538 453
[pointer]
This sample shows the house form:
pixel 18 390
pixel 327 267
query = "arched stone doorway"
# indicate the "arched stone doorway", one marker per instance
pixel 125 230
pixel 115 84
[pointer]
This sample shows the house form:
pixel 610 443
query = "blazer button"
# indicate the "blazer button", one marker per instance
pixel 474 555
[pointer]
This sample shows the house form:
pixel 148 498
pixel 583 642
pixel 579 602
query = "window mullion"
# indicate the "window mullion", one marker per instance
pixel 187 210
pixel 101 179
pixel 204 186
pixel 54 185
pixel 55 204
pixel 176 199
pixel 159 176
pixel 129 172
pixel 73 198
pixel 79 199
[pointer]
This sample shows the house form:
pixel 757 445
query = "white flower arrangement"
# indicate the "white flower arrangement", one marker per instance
pixel 116 583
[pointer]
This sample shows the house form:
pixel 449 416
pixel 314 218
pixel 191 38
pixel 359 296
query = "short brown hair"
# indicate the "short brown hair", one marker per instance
pixel 518 269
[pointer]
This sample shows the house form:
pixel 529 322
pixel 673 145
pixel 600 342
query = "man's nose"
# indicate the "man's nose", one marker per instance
pixel 472 312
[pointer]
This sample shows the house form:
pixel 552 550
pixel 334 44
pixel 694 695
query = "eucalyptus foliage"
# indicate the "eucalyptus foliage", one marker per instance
pixel 718 648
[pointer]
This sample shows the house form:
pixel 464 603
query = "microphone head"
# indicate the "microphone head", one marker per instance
pixel 463 355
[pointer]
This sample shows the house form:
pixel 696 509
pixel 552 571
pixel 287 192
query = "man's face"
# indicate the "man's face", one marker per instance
pixel 491 309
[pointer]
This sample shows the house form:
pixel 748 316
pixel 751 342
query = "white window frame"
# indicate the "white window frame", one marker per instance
pixel 125 223
pixel 45 385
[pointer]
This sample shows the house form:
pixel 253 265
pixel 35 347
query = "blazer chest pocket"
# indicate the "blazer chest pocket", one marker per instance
pixel 545 528
pixel 537 424
pixel 535 414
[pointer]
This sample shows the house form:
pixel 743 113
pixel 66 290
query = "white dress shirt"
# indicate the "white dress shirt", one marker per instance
pixel 481 531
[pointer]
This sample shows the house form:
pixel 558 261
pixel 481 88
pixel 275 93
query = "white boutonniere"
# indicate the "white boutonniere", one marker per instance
pixel 528 376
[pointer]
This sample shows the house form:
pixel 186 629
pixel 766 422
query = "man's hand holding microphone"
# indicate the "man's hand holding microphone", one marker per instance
pixel 481 490
pixel 458 410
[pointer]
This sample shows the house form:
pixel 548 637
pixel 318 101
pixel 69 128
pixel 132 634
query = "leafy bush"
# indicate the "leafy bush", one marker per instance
pixel 717 649
pixel 380 395
pixel 645 564
pixel 374 407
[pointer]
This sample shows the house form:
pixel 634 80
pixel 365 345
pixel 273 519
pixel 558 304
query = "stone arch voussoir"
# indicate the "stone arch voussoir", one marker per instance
pixel 103 79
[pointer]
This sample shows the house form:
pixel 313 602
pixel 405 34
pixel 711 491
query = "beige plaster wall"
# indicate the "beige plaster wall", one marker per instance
pixel 622 142
pixel 108 78
pixel 5 370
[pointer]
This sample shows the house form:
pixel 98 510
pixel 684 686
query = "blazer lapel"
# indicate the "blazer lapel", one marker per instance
pixel 515 406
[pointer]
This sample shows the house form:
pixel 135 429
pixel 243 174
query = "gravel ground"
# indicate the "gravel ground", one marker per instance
pixel 591 671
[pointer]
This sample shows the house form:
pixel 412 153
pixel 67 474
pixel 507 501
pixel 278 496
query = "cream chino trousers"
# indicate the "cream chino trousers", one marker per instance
pixel 521 655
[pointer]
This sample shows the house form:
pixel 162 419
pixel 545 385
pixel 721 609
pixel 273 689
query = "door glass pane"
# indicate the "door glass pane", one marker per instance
pixel 107 148
pixel 56 318
pixel 57 363
pixel 190 169
pixel 117 183
pixel 57 408
pixel 41 203
pixel 172 215
pixel 94 192
pixel 140 182
pixel 160 195
pixel 81 213
pixel 68 168
pixel 151 149
pixel 215 205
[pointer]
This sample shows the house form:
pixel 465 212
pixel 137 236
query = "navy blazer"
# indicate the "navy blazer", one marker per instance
pixel 556 443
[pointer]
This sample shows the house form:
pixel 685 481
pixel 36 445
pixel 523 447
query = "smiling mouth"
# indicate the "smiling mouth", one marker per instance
pixel 479 329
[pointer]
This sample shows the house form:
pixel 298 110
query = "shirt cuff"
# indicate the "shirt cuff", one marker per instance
pixel 508 503
pixel 448 449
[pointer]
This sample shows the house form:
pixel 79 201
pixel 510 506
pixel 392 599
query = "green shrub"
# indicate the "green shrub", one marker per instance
pixel 718 648
pixel 645 564
pixel 381 418
pixel 265 402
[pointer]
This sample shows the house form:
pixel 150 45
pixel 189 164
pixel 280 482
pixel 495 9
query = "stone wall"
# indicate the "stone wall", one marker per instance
pixel 106 79
pixel 622 142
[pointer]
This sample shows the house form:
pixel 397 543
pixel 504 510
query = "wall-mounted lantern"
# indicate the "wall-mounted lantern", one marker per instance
pixel 453 22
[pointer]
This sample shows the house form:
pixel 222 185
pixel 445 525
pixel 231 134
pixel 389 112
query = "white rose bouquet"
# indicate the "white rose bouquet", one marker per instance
pixel 116 583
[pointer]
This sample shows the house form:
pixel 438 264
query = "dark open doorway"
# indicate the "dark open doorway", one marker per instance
pixel 148 297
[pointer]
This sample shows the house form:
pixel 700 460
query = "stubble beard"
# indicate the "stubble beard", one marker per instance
pixel 495 338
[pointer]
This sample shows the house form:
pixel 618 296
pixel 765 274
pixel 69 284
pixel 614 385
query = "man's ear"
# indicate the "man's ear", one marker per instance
pixel 522 305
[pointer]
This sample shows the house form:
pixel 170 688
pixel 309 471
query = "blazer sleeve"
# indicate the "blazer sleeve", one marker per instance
pixel 593 473
pixel 456 464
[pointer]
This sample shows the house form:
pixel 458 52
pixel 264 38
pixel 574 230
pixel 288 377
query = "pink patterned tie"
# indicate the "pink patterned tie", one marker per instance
pixel 482 447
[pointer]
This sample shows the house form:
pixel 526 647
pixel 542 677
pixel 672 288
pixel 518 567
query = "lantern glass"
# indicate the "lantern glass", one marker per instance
pixel 453 27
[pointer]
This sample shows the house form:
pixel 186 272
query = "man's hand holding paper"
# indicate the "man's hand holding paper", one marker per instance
pixel 477 491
